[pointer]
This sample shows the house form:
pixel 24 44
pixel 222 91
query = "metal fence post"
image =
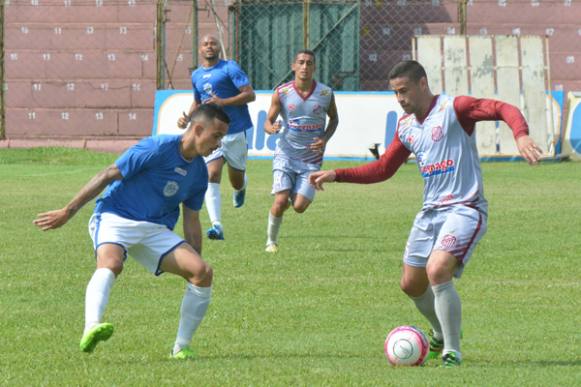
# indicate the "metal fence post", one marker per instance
pixel 306 21
pixel 159 47
pixel 2 121
pixel 462 19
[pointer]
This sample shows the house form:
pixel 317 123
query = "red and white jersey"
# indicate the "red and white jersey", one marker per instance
pixel 445 148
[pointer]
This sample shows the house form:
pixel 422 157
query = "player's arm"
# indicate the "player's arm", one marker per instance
pixel 185 119
pixel 471 110
pixel 271 125
pixel 320 143
pixel 374 172
pixel 192 228
pixel 57 218
pixel 245 96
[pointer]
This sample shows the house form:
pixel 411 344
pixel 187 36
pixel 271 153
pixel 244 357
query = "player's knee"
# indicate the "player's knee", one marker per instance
pixel 412 288
pixel 438 273
pixel 203 277
pixel 300 209
pixel 279 207
pixel 115 265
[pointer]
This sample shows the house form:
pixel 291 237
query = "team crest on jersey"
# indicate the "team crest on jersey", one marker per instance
pixel 292 107
pixel 325 92
pixel 207 88
pixel 410 139
pixel 316 108
pixel 448 241
pixel 284 89
pixel 437 133
pixel 170 189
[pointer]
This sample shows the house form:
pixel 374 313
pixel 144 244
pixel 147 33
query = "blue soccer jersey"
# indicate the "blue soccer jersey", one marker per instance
pixel 223 80
pixel 156 179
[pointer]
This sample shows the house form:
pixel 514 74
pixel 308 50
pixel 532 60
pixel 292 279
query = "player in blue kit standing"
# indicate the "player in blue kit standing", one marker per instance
pixel 222 82
pixel 136 216
pixel 304 105
pixel 440 131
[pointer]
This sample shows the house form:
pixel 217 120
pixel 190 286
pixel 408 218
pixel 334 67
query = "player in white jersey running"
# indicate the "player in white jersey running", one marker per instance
pixel 304 105
pixel 136 216
pixel 439 131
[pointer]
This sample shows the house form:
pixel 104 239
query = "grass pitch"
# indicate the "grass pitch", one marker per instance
pixel 315 314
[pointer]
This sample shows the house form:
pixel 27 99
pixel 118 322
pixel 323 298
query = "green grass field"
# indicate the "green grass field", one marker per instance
pixel 315 314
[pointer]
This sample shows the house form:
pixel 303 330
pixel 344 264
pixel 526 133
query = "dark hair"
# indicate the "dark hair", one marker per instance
pixel 408 68
pixel 210 111
pixel 307 52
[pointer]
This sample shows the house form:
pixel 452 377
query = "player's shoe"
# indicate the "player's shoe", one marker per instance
pixel 271 248
pixel 216 233
pixel 451 360
pixel 184 354
pixel 238 198
pixel 436 346
pixel 100 332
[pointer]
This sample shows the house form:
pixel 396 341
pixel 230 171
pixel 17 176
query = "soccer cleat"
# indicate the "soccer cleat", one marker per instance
pixel 436 346
pixel 216 233
pixel 100 332
pixel 450 360
pixel 272 248
pixel 184 354
pixel 238 198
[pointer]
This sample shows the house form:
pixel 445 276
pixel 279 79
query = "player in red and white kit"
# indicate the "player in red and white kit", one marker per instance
pixel 439 131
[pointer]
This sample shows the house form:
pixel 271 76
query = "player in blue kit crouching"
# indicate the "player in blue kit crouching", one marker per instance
pixel 136 216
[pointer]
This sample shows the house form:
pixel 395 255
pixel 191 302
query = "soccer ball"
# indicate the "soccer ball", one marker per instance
pixel 406 346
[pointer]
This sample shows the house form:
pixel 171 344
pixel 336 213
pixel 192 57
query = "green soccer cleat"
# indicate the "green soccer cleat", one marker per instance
pixel 436 346
pixel 100 332
pixel 450 360
pixel 184 354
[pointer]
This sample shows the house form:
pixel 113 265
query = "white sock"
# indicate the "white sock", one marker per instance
pixel 244 184
pixel 194 306
pixel 425 304
pixel 272 228
pixel 97 296
pixel 449 312
pixel 213 202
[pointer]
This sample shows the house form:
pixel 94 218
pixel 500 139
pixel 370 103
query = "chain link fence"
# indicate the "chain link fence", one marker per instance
pixel 91 67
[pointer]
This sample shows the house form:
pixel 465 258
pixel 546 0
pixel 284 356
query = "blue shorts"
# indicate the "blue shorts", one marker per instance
pixel 454 229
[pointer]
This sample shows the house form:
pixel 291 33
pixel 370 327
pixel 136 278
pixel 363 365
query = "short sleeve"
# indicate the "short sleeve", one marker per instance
pixel 237 75
pixel 197 95
pixel 137 158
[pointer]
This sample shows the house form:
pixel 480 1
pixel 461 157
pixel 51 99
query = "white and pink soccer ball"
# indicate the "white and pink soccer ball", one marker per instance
pixel 406 346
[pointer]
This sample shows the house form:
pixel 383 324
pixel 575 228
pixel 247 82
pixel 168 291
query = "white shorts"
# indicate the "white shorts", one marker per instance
pixel 293 175
pixel 234 149
pixel 148 243
pixel 455 229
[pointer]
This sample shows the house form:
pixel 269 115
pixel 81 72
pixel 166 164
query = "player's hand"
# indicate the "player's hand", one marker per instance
pixel 274 128
pixel 215 100
pixel 51 219
pixel 318 178
pixel 318 145
pixel 183 121
pixel 528 149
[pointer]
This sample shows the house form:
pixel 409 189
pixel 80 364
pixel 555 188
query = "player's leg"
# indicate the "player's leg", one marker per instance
pixel 109 256
pixel 236 155
pixel 414 281
pixel 303 193
pixel 187 263
pixel 279 206
pixel 461 230
pixel 212 199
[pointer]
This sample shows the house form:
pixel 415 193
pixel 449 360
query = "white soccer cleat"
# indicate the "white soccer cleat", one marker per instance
pixel 272 248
